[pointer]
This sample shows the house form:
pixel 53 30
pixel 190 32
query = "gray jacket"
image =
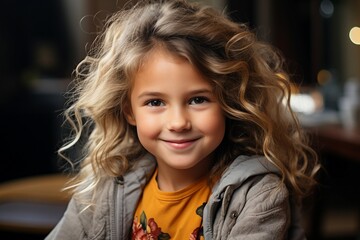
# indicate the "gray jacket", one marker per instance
pixel 249 202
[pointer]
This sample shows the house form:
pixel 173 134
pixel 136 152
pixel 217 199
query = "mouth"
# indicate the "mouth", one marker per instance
pixel 181 144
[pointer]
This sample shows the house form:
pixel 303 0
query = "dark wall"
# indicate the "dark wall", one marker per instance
pixel 294 27
pixel 34 45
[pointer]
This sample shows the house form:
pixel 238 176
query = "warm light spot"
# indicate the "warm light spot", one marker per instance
pixel 303 103
pixel 323 76
pixel 354 35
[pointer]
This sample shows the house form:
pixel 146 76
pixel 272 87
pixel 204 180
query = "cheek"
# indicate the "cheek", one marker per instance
pixel 147 128
pixel 213 124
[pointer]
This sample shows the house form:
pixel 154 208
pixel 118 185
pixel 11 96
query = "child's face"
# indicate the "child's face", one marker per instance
pixel 176 113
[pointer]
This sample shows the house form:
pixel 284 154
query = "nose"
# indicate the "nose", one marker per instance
pixel 178 120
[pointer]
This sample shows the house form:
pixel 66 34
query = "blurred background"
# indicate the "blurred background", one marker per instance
pixel 42 41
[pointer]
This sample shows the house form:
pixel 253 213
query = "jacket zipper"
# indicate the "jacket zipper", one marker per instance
pixel 114 231
pixel 116 221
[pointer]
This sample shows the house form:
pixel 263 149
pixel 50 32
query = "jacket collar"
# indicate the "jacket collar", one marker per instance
pixel 242 168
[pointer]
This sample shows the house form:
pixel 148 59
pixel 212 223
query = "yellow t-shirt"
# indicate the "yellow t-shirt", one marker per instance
pixel 170 215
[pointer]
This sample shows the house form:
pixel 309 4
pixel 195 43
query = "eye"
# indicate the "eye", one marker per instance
pixel 198 100
pixel 154 103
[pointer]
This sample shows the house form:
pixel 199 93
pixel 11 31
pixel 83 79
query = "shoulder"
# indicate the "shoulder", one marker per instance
pixel 265 192
pixel 94 218
pixel 81 221
pixel 262 209
pixel 257 209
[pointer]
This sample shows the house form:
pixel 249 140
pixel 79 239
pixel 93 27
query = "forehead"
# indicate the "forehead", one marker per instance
pixel 160 50
pixel 163 71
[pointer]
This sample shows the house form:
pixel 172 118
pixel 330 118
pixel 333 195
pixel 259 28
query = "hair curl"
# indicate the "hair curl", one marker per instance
pixel 246 74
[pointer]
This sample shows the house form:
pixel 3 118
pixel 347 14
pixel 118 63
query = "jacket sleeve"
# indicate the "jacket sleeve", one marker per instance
pixel 265 213
pixel 69 227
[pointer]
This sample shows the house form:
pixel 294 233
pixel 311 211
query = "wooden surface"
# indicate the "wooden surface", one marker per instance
pixel 34 204
pixel 334 139
pixel 47 188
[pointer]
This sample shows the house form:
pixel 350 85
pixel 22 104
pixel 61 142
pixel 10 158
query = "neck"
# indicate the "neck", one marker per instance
pixel 171 180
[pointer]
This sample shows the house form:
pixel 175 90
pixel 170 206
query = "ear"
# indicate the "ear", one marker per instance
pixel 130 118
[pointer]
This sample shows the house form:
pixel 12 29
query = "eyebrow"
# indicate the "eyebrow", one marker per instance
pixel 150 94
pixel 159 94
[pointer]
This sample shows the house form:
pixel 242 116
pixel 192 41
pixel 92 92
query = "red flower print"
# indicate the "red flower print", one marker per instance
pixel 194 234
pixel 138 232
pixel 147 229
pixel 155 231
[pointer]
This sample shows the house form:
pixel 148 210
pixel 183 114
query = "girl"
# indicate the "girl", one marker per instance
pixel 190 132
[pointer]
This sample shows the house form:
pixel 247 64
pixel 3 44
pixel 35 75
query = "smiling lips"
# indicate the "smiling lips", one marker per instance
pixel 181 144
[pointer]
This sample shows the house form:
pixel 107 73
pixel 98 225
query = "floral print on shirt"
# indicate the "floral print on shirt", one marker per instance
pixel 148 229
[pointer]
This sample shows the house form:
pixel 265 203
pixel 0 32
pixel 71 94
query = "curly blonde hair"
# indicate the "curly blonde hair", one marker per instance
pixel 246 74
